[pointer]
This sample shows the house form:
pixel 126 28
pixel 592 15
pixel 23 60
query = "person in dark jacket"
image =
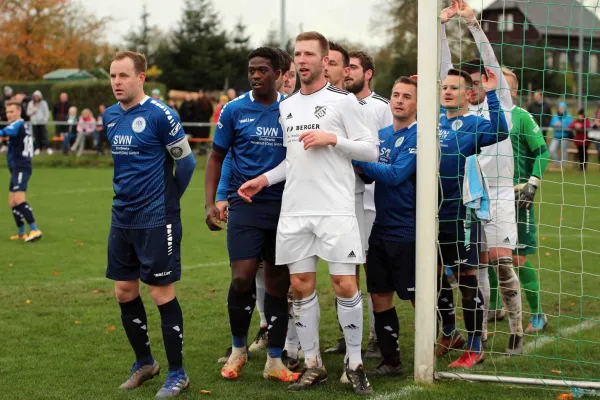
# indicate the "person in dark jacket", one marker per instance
pixel 541 111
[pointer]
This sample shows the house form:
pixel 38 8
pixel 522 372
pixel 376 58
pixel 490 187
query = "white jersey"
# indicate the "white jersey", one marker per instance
pixel 378 116
pixel 497 162
pixel 320 180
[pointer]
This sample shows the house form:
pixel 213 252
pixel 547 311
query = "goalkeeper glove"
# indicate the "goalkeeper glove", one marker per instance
pixel 525 192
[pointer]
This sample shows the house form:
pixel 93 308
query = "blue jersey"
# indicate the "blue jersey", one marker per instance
pixel 395 191
pixel 146 195
pixel 252 134
pixel 225 180
pixel 20 145
pixel 461 137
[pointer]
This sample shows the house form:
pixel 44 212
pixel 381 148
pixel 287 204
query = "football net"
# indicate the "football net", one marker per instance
pixel 553 49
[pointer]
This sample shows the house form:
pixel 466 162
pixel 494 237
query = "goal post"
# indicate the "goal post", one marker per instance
pixel 427 190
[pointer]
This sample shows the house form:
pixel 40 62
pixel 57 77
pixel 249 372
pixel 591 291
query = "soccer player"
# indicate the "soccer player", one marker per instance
pixel 391 256
pixel 289 79
pixel 531 158
pixel 249 129
pixel 20 151
pixel 338 65
pixel 145 235
pixel 462 134
pixel 324 130
pixel 499 235
pixel 377 112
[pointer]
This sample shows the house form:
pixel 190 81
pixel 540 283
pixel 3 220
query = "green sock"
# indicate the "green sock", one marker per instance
pixel 531 284
pixel 493 289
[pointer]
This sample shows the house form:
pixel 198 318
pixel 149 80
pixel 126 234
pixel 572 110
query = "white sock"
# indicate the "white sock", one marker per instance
pixel 292 342
pixel 307 315
pixel 484 285
pixel 260 295
pixel 372 333
pixel 350 316
pixel 510 291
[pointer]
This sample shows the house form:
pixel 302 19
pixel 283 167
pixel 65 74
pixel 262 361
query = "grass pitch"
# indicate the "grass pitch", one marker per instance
pixel 62 335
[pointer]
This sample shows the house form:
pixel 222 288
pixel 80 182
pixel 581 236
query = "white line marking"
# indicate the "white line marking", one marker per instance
pixel 399 394
pixel 89 190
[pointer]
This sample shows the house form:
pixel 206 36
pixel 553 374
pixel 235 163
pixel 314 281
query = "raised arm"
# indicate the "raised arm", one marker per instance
pixel 496 129
pixel 446 62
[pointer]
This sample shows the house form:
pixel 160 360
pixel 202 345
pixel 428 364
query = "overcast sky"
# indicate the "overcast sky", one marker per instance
pixel 336 19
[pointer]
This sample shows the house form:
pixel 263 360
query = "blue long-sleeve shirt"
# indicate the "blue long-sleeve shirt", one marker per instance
pixel 225 181
pixel 461 137
pixel 395 191
pixel 562 131
pixel 20 145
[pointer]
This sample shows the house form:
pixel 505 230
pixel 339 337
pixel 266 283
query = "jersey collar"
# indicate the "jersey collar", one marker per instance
pixel 141 103
pixel 280 96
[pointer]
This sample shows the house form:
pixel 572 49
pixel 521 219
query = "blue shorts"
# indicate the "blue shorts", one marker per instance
pixel 391 267
pixel 19 179
pixel 151 255
pixel 252 229
pixel 454 251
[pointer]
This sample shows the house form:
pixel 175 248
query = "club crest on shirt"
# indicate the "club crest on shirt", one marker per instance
pixel 399 142
pixel 456 125
pixel 138 125
pixel 320 111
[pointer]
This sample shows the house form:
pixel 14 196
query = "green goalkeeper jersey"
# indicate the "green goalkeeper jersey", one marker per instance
pixel 529 146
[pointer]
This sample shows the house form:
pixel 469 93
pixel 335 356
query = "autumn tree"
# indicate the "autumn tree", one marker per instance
pixel 39 36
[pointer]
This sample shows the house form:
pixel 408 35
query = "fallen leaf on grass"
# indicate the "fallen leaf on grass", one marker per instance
pixel 565 396
pixel 212 290
pixel 110 328
pixel 71 220
pixel 460 317
pixel 80 244
pixel 97 291
pixel 547 254
pixel 208 392
pixel 572 304
pixel 490 334
pixel 77 322
pixel 214 233
pixel 557 372
pixel 544 238
pixel 55 273
pixel 27 301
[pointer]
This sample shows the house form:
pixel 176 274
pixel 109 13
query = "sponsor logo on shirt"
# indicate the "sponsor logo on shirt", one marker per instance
pixel 175 130
pixel 110 125
pixel 289 116
pixel 246 120
pixel 412 150
pixel 122 140
pixel 320 111
pixel 266 131
pixel 138 125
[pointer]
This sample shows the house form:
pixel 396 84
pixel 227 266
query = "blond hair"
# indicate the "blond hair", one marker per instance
pixel 323 42
pixel 509 72
pixel 88 112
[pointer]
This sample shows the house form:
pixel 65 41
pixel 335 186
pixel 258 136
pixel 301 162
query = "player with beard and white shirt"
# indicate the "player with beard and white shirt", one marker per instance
pixel 323 132
pixel 378 114
pixel 497 165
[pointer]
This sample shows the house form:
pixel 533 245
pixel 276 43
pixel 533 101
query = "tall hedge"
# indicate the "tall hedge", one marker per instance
pixel 90 94
pixel 29 87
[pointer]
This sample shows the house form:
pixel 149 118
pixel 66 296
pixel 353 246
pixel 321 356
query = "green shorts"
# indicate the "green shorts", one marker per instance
pixel 527 232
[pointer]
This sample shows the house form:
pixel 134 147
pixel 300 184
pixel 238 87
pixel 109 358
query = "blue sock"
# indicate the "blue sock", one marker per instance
pixel 33 226
pixel 239 342
pixel 21 230
pixel 274 352
pixel 448 329
pixel 474 343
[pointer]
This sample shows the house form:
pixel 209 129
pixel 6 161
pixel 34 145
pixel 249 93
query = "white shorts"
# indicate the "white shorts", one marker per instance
pixel 502 232
pixel 310 265
pixel 369 221
pixel 359 210
pixel 333 238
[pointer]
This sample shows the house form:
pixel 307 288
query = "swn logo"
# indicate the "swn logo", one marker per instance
pixel 264 131
pixel 120 140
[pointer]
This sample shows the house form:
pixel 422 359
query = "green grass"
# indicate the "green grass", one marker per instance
pixel 58 311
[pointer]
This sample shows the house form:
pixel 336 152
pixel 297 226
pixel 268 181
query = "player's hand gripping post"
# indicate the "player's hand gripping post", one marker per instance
pixel 490 82
pixel 448 12
pixel 253 186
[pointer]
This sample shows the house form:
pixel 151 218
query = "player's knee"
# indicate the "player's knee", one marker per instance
pixel 241 282
pixel 382 301
pixel 504 266
pixel 519 261
pixel 162 294
pixel 277 280
pixel 302 285
pixel 344 285
pixel 126 291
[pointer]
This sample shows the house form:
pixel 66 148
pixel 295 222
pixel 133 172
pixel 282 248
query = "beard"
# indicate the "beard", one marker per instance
pixel 355 86
pixel 312 77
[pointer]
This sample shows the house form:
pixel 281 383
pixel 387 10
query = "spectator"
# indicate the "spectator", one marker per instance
pixel 231 94
pixel 71 132
pixel 60 113
pixel 156 94
pixel 580 129
pixel 594 136
pixel 222 101
pixel 560 123
pixel 86 126
pixel 173 106
pixel 38 112
pixel 186 113
pixel 541 111
pixel 99 134
pixel 203 112
pixel 8 93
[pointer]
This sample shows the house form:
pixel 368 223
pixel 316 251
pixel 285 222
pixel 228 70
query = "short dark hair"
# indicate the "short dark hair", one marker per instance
pixel 268 53
pixel 406 80
pixel 323 43
pixel 463 74
pixel 338 47
pixel 473 66
pixel 139 60
pixel 366 61
pixel 285 60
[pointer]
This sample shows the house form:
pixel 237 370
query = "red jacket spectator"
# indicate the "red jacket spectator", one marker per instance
pixel 580 127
